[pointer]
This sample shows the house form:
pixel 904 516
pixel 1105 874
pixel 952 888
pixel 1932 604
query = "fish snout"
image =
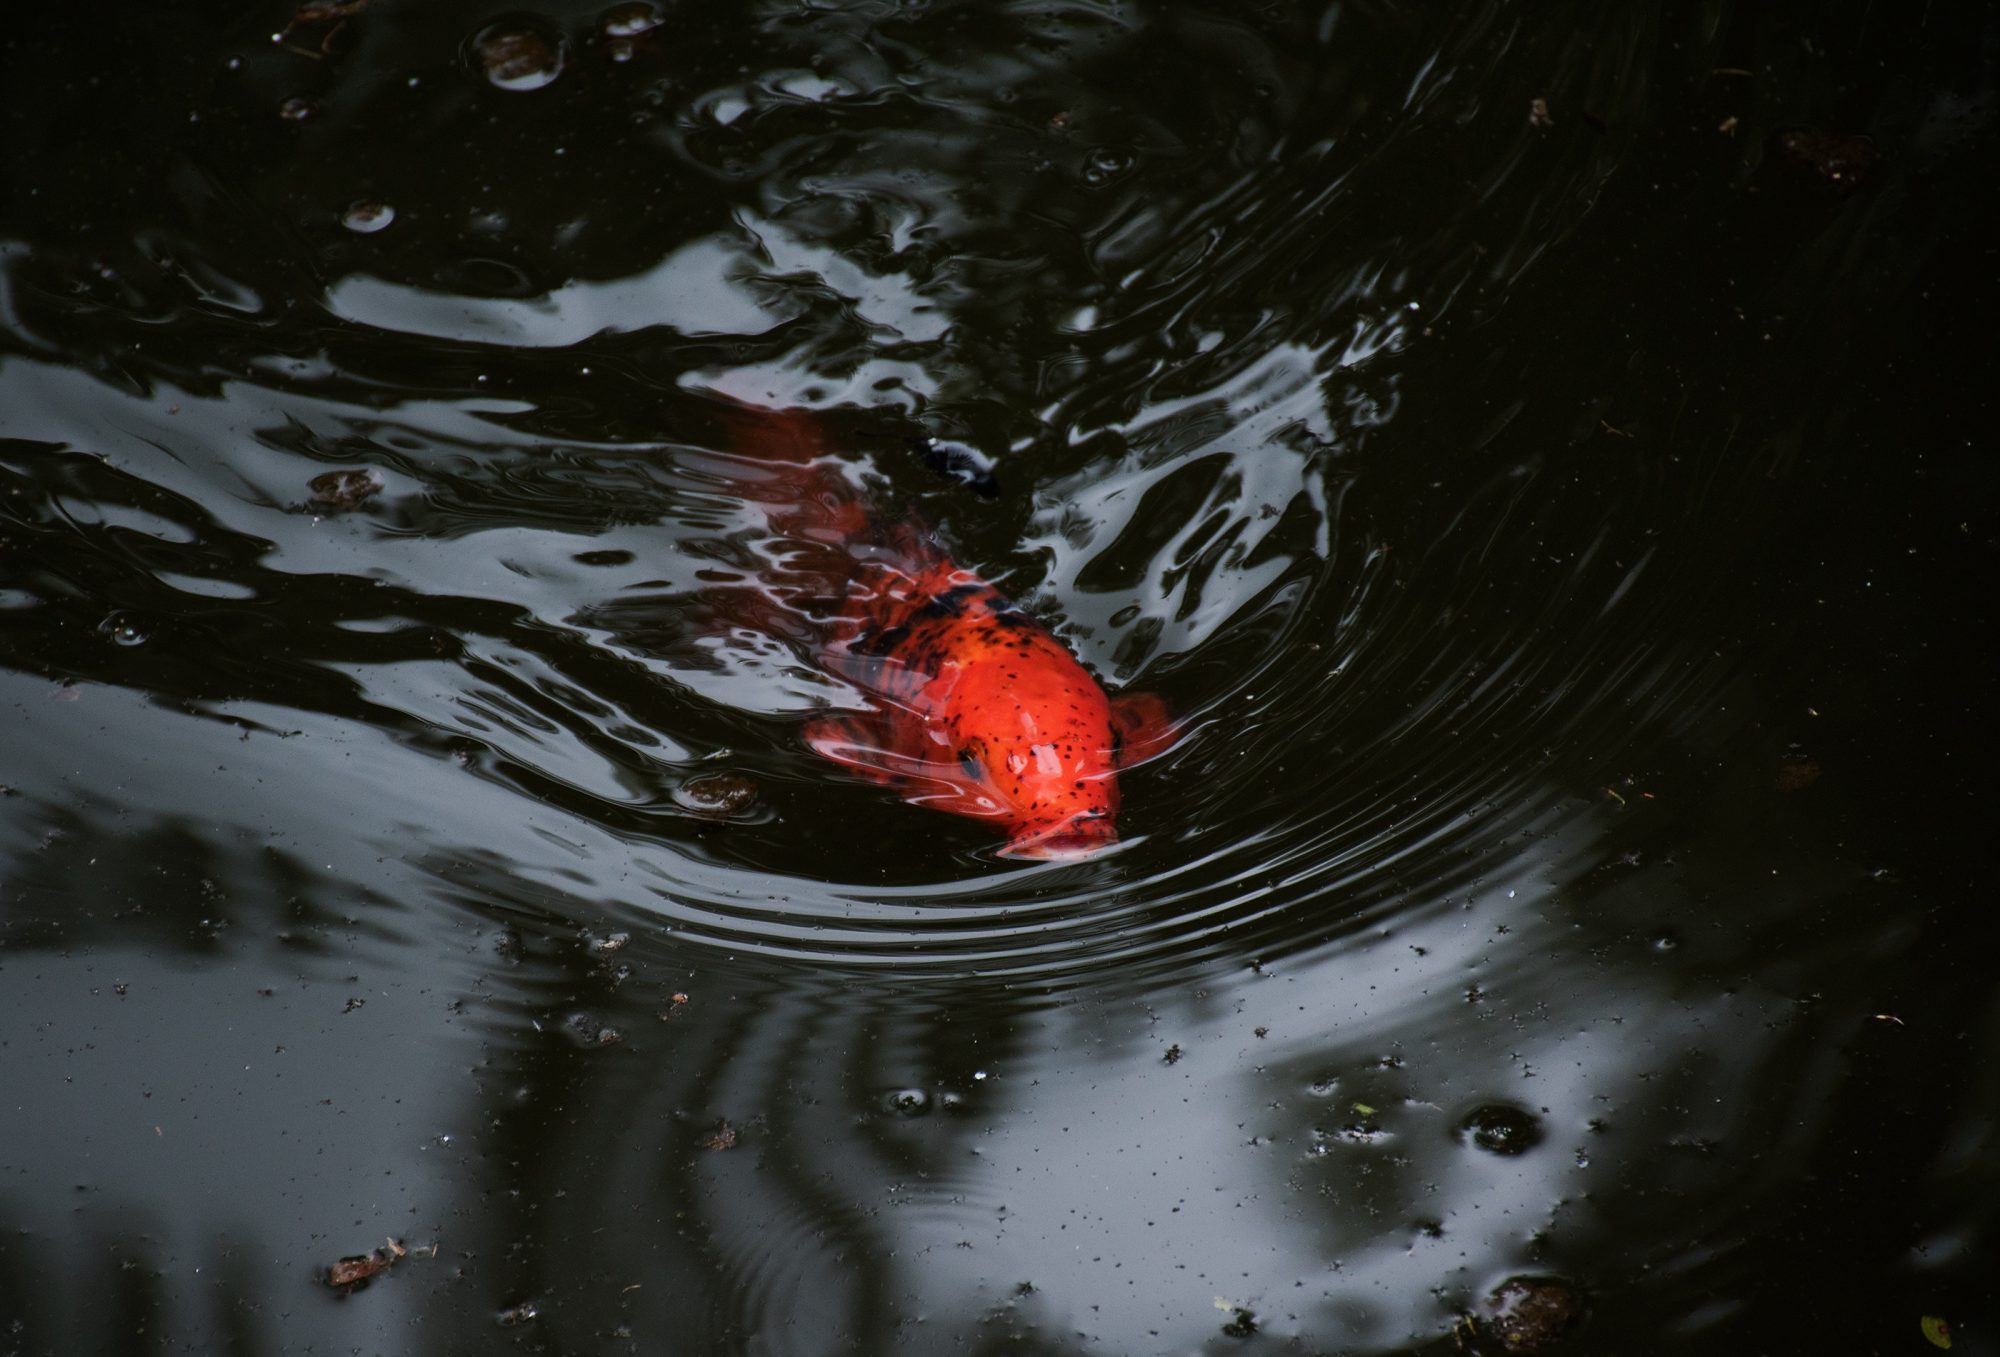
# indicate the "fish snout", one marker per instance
pixel 1077 837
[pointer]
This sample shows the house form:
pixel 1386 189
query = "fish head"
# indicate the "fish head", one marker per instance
pixel 1041 749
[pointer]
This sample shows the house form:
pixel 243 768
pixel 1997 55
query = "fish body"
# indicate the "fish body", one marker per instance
pixel 976 708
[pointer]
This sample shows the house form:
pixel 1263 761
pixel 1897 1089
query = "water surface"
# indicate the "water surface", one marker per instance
pixel 1541 454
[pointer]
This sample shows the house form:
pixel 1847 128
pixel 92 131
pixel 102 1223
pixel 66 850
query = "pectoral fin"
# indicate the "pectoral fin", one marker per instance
pixel 1146 727
pixel 946 786
pixel 865 744
pixel 872 746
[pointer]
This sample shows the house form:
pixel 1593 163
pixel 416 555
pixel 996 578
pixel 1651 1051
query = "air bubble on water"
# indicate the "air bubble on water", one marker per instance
pixel 366 218
pixel 629 21
pixel 296 110
pixel 1104 164
pixel 516 58
pixel 1501 1128
pixel 907 1102
pixel 125 631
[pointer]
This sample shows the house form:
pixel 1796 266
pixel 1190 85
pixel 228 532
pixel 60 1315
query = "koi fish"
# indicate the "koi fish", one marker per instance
pixel 977 709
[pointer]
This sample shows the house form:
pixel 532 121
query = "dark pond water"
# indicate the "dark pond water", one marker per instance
pixel 1544 455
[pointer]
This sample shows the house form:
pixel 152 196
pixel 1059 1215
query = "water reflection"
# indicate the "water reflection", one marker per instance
pixel 407 839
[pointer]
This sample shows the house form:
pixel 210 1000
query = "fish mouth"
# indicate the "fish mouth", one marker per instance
pixel 1079 838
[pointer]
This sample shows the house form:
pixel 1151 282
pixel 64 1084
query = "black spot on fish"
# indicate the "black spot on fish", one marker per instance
pixel 881 642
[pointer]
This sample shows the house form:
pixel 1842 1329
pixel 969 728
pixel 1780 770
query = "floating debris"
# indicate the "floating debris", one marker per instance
pixel 1840 163
pixel 716 794
pixel 354 1271
pixel 527 1312
pixel 1796 773
pixel 346 489
pixel 1523 1317
pixel 586 1031
pixel 723 1137
pixel 1242 1325
pixel 351 1272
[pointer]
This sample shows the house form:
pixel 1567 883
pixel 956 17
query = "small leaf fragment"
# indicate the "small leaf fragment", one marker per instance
pixel 1937 1331
pixel 352 1271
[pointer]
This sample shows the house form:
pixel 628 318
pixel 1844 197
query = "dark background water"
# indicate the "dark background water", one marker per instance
pixel 1569 528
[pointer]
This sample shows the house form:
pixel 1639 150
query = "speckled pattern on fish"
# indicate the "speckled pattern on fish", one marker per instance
pixel 978 709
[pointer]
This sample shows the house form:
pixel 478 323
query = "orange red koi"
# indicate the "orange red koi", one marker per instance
pixel 976 708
